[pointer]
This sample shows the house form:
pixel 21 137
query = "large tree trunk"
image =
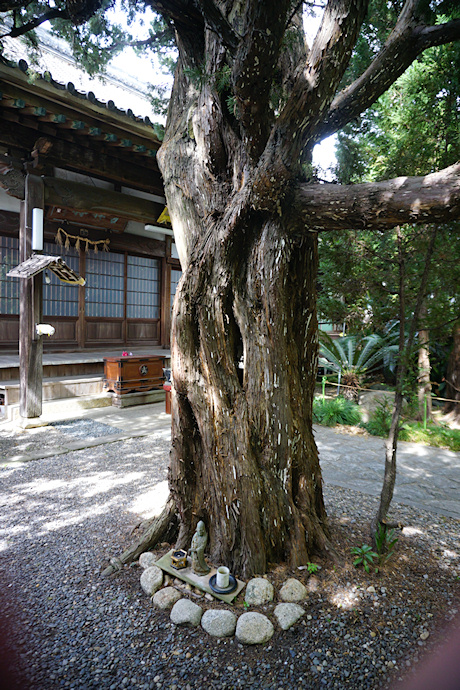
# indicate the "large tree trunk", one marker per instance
pixel 244 459
pixel 243 455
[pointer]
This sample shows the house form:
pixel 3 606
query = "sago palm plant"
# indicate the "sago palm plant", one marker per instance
pixel 353 357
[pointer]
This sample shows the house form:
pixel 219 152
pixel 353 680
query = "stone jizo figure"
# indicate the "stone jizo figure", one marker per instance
pixel 199 541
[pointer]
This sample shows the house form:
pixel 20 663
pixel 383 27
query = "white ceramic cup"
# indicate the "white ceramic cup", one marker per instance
pixel 222 577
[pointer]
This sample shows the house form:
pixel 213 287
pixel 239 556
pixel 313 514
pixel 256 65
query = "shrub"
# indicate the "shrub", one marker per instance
pixel 336 411
pixel 353 357
pixel 434 435
pixel 439 436
pixel 380 419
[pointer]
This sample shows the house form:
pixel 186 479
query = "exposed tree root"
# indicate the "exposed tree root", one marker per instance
pixel 161 528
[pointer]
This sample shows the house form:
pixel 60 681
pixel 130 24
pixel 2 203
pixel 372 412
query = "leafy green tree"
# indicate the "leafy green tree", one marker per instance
pixel 415 125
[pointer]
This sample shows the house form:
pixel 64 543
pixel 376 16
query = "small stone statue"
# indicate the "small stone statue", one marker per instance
pixel 199 541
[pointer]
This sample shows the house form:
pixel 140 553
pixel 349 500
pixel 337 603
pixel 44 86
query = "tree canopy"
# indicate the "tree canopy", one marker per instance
pixel 413 127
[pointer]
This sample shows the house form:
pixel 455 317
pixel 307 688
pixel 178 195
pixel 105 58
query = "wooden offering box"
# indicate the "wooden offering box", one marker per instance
pixel 132 374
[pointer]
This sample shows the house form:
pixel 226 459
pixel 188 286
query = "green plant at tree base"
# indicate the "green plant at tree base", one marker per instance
pixel 336 411
pixel 312 568
pixel 385 542
pixel 365 557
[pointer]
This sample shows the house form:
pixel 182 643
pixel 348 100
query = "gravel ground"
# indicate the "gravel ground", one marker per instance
pixel 63 517
pixel 85 428
pixel 28 441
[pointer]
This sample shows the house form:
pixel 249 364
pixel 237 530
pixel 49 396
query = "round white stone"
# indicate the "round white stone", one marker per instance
pixel 259 591
pixel 166 597
pixel 288 614
pixel 151 580
pixel 219 622
pixel 293 590
pixel 147 559
pixel 253 628
pixel 185 612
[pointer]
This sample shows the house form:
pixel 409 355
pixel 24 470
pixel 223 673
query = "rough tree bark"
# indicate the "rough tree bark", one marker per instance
pixel 246 220
pixel 424 368
pixel 244 458
pixel 453 376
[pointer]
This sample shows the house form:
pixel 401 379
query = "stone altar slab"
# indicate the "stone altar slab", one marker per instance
pixel 199 581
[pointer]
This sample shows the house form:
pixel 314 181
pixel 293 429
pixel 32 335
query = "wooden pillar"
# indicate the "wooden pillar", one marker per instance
pixel 165 308
pixel 31 309
pixel 81 323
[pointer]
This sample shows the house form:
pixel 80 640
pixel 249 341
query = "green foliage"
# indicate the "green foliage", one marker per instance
pixel 336 411
pixel 385 542
pixel 222 79
pixel 197 76
pixel 95 42
pixel 380 419
pixel 365 556
pixel 413 129
pixel 312 568
pixel 434 435
pixel 352 355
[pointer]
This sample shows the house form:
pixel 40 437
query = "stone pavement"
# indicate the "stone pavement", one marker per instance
pixel 427 478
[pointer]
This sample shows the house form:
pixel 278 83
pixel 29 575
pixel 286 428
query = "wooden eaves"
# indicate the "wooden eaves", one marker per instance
pixel 61 127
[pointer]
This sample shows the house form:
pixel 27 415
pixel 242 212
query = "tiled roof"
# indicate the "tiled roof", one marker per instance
pixel 58 68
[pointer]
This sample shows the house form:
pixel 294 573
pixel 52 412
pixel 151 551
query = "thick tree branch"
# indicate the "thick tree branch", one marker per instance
pixel 429 36
pixel 309 100
pixel 215 20
pixel 434 198
pixel 189 26
pixel 292 58
pixel 183 13
pixel 254 67
pixel 76 11
pixel 151 40
pixel 36 21
pixel 10 5
pixel 327 62
pixel 408 39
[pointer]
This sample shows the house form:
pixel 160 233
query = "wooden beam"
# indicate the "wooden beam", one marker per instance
pixel 90 110
pixel 31 309
pixel 82 197
pixel 112 163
